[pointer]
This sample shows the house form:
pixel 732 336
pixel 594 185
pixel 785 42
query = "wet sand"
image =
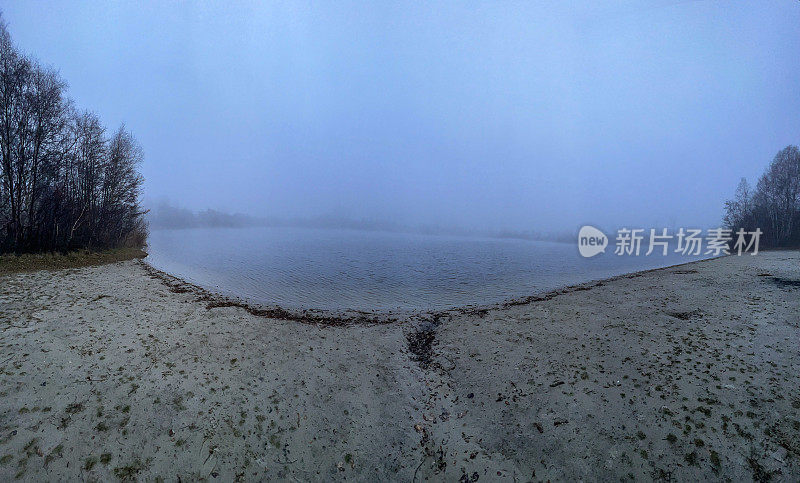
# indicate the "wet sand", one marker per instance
pixel 114 372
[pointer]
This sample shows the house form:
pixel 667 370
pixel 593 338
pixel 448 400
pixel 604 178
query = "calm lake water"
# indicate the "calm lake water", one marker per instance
pixel 344 269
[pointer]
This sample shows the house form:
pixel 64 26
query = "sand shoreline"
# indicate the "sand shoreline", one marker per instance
pixel 352 316
pixel 679 372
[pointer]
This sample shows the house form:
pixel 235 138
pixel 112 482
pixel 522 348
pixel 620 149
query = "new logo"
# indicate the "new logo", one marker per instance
pixel 591 241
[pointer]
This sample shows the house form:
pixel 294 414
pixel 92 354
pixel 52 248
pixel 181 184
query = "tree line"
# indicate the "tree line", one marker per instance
pixel 774 205
pixel 64 183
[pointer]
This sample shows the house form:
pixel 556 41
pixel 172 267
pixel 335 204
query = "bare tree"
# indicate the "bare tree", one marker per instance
pixel 737 210
pixel 63 184
pixel 774 207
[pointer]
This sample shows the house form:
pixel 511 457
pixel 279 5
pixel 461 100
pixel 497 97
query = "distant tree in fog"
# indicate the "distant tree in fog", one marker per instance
pixel 738 209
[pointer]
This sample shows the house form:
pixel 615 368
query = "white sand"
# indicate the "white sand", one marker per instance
pixel 105 373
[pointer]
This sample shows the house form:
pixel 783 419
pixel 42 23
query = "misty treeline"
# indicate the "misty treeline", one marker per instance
pixel 774 205
pixel 163 215
pixel 64 182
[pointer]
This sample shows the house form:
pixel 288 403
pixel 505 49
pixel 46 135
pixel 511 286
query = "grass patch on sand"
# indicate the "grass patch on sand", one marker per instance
pixel 56 261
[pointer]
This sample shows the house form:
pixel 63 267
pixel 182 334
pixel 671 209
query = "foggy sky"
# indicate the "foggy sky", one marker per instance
pixel 520 115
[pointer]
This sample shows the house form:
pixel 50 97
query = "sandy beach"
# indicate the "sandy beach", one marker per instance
pixel 687 373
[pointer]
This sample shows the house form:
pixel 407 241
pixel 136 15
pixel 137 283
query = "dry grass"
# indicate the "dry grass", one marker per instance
pixel 55 261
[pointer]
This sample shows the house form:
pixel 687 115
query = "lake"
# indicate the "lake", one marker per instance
pixel 347 269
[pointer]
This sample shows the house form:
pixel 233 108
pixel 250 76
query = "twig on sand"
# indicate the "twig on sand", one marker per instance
pixel 415 471
pixel 100 379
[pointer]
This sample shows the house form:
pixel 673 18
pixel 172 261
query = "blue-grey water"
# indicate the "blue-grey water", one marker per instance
pixel 346 269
